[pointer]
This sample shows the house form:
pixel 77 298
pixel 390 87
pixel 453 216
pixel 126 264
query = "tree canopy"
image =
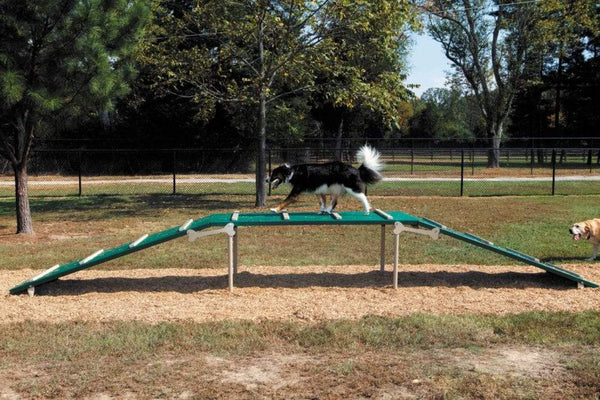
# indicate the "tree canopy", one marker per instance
pixel 258 54
pixel 60 59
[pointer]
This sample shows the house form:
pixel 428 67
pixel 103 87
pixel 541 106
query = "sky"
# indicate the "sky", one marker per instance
pixel 427 64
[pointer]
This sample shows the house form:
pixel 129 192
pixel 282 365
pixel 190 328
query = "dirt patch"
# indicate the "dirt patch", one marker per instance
pixel 294 293
pixel 380 375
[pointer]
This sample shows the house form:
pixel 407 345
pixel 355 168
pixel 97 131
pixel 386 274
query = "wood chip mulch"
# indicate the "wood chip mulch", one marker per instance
pixel 294 293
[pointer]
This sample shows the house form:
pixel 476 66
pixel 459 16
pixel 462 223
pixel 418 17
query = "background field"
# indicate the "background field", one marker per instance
pixel 536 352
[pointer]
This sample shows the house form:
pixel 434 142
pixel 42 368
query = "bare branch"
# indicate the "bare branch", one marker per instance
pixel 495 60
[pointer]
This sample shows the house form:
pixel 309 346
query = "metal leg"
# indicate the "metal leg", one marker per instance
pixel 230 251
pixel 382 262
pixel 396 251
pixel 235 251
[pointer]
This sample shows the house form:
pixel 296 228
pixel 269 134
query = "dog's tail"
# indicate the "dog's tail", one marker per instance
pixel 370 166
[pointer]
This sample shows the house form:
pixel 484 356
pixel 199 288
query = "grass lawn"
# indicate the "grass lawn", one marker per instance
pixel 551 355
pixel 524 356
pixel 73 227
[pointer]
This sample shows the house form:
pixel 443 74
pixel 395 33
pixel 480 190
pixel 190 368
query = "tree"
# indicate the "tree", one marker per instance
pixel 59 59
pixel 250 53
pixel 560 32
pixel 444 114
pixel 487 43
pixel 259 53
pixel 361 76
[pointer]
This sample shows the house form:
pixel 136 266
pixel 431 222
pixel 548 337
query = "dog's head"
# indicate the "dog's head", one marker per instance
pixel 281 174
pixel 580 230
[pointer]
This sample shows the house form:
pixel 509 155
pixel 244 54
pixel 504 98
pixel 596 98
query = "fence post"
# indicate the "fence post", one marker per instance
pixel 531 162
pixel 412 160
pixel 79 172
pixel 462 172
pixel 553 171
pixel 174 155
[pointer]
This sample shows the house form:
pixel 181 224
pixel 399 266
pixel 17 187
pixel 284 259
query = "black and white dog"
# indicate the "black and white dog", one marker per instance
pixel 335 178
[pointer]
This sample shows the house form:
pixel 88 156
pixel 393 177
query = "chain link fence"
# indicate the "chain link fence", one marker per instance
pixel 408 172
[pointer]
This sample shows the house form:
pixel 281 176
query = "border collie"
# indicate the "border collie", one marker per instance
pixel 335 178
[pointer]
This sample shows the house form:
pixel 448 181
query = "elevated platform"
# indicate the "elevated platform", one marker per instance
pixel 228 223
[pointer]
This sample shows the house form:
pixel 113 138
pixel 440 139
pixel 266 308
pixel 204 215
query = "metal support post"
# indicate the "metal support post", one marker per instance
pixel 396 251
pixel 231 262
pixel 231 231
pixel 382 262
pixel 235 251
pixel 399 227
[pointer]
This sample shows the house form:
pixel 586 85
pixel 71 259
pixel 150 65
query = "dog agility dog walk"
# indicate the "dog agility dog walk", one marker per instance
pixel 334 178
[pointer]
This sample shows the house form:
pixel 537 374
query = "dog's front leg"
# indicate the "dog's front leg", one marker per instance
pixel 291 198
pixel 595 253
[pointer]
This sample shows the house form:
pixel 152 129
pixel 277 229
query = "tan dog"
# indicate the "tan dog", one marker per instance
pixel 589 230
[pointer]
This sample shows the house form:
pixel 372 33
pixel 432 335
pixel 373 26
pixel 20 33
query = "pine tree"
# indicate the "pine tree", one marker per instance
pixel 60 59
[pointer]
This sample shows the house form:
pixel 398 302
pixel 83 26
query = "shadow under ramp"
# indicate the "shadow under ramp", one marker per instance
pixel 375 280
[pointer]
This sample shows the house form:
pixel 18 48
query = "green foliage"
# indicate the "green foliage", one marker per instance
pixel 445 114
pixel 63 58
pixel 60 60
pixel 486 42
pixel 363 64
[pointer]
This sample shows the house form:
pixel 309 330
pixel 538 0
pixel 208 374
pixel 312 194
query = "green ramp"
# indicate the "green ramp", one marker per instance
pixel 514 254
pixel 237 219
pixel 102 256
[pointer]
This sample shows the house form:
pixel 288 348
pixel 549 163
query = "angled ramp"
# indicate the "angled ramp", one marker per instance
pixel 102 256
pixel 514 254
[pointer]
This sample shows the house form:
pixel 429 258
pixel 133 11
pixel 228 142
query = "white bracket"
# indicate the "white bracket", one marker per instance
pixel 399 227
pixel 229 229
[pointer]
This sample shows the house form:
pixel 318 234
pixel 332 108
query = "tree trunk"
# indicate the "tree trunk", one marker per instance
pixel 495 134
pixel 24 222
pixel 261 195
pixel 557 95
pixel 338 140
pixel 494 153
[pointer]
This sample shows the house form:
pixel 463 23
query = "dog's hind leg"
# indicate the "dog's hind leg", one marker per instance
pixel 334 201
pixel 323 201
pixel 336 191
pixel 363 199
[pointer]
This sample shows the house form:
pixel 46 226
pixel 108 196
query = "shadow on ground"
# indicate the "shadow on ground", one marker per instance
pixel 374 279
